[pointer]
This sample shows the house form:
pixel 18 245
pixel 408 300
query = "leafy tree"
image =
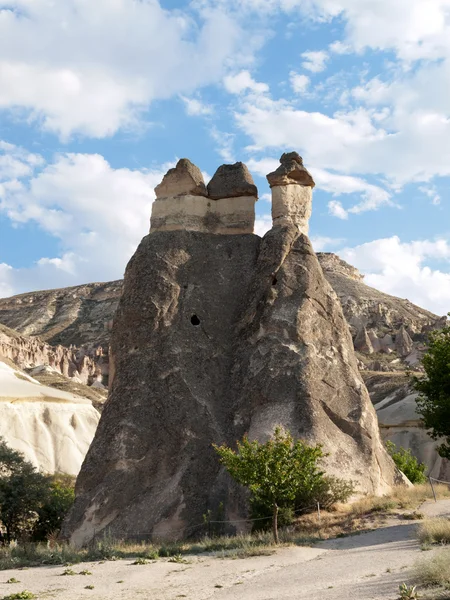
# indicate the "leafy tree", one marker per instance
pixel 52 512
pixel 22 492
pixel 274 472
pixel 433 403
pixel 407 463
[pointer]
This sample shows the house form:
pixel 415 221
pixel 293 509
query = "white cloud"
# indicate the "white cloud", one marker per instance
pixel 98 214
pixel 15 162
pixel 315 61
pixel 94 67
pixel 402 269
pixel 432 193
pixel 299 83
pixel 336 209
pixel 372 196
pixel 263 223
pixel 321 242
pixel 196 108
pixel 6 286
pixel 225 143
pixel 242 82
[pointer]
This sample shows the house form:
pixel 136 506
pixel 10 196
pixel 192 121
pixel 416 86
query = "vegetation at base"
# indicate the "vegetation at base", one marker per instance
pixel 434 531
pixel 407 463
pixel 408 592
pixel 25 595
pixel 283 476
pixel 32 505
pixel 433 403
pixel 343 519
pixel 434 570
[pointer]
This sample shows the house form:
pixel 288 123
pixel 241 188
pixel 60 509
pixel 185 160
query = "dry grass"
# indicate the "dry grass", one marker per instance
pixel 366 513
pixel 434 571
pixel 434 531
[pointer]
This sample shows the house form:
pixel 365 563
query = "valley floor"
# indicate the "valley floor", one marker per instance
pixel 367 566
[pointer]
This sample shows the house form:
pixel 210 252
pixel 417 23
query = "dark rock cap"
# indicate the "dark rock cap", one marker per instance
pixel 231 181
pixel 291 170
pixel 185 178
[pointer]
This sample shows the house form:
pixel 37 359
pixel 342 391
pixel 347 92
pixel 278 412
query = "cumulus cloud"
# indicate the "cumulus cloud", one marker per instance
pixel 336 209
pixel 196 108
pixel 371 196
pixel 94 67
pixel 98 214
pixel 242 82
pixel 299 82
pixel 315 61
pixel 403 269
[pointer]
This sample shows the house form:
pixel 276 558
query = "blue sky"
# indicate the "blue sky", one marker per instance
pixel 98 99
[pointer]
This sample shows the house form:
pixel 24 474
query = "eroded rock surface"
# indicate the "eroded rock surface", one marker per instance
pixel 232 181
pixel 215 336
pixel 395 403
pixel 51 427
pixel 184 179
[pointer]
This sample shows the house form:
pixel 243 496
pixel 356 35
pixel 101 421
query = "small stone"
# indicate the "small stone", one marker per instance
pixel 290 171
pixel 186 178
pixel 232 181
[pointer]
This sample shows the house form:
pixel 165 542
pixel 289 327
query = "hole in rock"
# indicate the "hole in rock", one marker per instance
pixel 274 281
pixel 195 320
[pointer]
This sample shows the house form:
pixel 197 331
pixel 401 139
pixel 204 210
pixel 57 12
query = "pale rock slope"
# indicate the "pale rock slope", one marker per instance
pixel 52 428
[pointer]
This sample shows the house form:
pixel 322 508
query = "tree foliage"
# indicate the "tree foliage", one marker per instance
pixel 30 503
pixel 433 403
pixel 59 501
pixel 276 471
pixel 407 463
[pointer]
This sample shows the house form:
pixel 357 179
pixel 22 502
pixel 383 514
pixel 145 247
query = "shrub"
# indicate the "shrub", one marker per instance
pixel 407 463
pixel 434 531
pixel 434 570
pixel 274 472
pixel 326 491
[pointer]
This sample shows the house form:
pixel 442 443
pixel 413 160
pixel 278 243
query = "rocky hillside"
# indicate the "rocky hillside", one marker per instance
pixel 79 316
pixel 388 332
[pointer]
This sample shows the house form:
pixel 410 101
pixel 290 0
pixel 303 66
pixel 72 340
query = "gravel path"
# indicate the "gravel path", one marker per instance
pixel 367 566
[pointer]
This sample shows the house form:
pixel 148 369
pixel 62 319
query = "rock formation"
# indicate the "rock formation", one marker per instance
pixel 362 342
pixel 395 403
pixel 219 333
pixel 183 203
pixel 291 186
pixel 83 365
pixel 52 428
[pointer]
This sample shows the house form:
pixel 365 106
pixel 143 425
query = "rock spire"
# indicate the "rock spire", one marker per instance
pixel 216 336
pixel 291 186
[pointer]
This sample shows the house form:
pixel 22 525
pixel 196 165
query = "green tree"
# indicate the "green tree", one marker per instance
pixel 407 463
pixel 58 503
pixel 274 472
pixel 22 492
pixel 433 403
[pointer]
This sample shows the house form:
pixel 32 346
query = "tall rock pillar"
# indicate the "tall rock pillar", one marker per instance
pixel 291 186
pixel 220 333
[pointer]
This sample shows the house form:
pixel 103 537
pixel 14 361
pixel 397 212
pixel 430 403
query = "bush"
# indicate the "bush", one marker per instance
pixel 407 463
pixel 274 472
pixel 434 570
pixel 435 531
pixel 326 492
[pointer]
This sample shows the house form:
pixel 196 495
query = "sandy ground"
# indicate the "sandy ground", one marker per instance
pixel 367 566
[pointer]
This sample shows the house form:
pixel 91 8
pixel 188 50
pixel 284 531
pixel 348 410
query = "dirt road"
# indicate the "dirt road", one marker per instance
pixel 367 566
